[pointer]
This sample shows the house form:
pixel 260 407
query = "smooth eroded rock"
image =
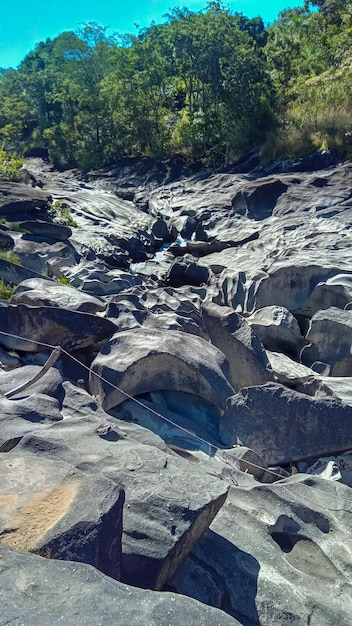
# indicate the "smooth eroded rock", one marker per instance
pixel 139 361
pixel 283 425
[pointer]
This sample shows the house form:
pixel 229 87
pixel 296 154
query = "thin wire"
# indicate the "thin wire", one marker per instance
pixel 189 432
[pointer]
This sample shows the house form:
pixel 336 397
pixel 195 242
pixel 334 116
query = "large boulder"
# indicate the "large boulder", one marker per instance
pixel 230 332
pixel 335 292
pixel 330 339
pixel 277 554
pixel 41 292
pixel 277 329
pixel 283 425
pixel 139 361
pixel 32 326
pixel 15 274
pixel 58 232
pixel 53 509
pixel 20 199
pixel 169 502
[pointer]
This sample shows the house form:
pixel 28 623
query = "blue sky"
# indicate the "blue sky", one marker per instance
pixel 24 24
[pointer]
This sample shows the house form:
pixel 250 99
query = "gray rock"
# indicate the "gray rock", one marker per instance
pixel 6 241
pixel 140 361
pixel 58 232
pixel 277 329
pixel 35 252
pixel 169 503
pixel 302 378
pixel 26 415
pixel 55 510
pixel 97 279
pixel 230 333
pixel 168 309
pixel 330 336
pixel 41 292
pixel 71 330
pixel 36 591
pixel 15 274
pixel 283 425
pixel 18 198
pixel 258 199
pixel 335 292
pixel 285 561
pixel 49 384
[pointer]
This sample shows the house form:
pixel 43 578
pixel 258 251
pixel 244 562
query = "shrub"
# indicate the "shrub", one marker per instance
pixel 62 280
pixel 10 256
pixel 57 208
pixel 6 290
pixel 9 166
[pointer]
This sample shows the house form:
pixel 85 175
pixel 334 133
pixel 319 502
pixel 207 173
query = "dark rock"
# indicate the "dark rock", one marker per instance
pixel 283 425
pixel 71 330
pixel 18 199
pixel 187 272
pixel 286 534
pixel 6 241
pixel 57 232
pixel 36 591
pixel 15 274
pixel 257 199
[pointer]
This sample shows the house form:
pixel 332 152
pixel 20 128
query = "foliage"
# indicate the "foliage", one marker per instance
pixel 205 85
pixel 58 208
pixel 18 229
pixel 63 280
pixel 9 166
pixel 6 290
pixel 10 256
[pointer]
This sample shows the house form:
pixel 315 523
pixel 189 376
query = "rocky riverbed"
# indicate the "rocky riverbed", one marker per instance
pixel 186 455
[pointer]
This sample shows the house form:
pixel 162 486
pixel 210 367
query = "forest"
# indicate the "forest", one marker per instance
pixel 205 86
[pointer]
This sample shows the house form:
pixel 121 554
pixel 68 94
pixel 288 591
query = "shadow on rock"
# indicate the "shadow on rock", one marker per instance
pixel 235 569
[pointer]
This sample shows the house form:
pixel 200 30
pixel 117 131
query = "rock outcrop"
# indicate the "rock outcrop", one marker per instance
pixel 176 417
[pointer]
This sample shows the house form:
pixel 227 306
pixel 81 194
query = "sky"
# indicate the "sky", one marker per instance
pixel 23 24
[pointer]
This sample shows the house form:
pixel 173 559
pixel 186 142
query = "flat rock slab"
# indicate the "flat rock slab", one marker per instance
pixel 26 415
pixel 59 232
pixel 169 503
pixel 40 292
pixel 36 591
pixel 143 360
pixel 71 330
pixel 51 508
pixel 283 425
pixel 277 554
pixel 18 198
